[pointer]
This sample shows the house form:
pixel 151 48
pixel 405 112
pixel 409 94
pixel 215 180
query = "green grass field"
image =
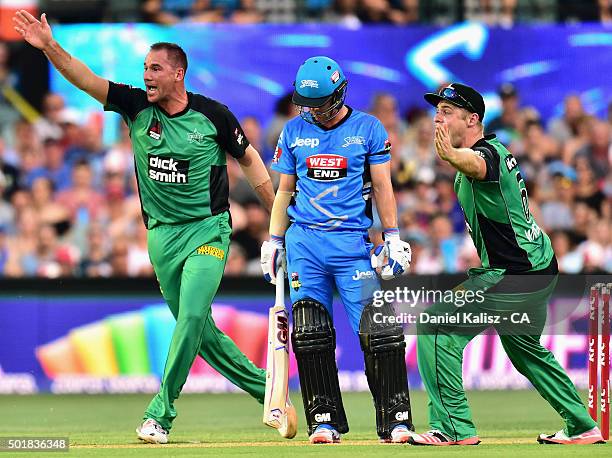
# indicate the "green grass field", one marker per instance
pixel 230 425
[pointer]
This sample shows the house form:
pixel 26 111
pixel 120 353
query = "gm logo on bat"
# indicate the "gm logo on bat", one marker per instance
pixel 282 328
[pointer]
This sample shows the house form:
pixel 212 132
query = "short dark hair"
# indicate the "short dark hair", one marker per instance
pixel 175 53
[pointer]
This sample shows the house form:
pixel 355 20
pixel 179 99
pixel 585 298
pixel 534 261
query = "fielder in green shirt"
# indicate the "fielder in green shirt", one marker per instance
pixel 510 291
pixel 180 141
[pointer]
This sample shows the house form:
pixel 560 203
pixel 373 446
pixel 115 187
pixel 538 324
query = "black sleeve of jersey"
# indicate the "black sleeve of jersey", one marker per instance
pixel 229 132
pixel 126 100
pixel 230 135
pixel 492 160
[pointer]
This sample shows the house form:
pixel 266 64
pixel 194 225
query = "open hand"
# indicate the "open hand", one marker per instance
pixel 35 32
pixel 442 141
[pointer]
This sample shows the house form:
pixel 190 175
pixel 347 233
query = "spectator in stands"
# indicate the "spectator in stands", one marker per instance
pixel 353 14
pixel 598 148
pixel 597 249
pixel 447 203
pixel 236 260
pixel 138 264
pixel 579 141
pixel 568 258
pixel 506 125
pixel 49 212
pixel 7 214
pixel 25 140
pixel 90 148
pixel 416 149
pixel 53 166
pixel 557 211
pixel 10 175
pixel 253 131
pixel 344 13
pixel 173 11
pixel 587 185
pixel 119 158
pixel 21 258
pixel 118 258
pixel 255 233
pixel 284 110
pixel 491 12
pixel 4 253
pixel 246 13
pixel 96 263
pixel 47 265
pixel 8 114
pixel 81 199
pixel 48 125
pixel 384 107
pixel 584 217
pixel 538 150
pixel 563 128
pixel 70 122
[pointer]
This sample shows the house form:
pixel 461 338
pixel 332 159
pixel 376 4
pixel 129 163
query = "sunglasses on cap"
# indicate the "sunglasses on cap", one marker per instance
pixel 451 94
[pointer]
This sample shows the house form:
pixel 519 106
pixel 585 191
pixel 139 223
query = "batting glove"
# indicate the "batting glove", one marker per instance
pixel 273 257
pixel 399 255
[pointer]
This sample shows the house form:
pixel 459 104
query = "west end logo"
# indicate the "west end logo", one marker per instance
pixel 195 136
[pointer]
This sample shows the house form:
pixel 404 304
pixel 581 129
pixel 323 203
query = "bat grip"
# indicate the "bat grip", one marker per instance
pixel 280 287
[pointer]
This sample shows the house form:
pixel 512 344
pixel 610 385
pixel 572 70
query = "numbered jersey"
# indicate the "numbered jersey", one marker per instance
pixel 497 213
pixel 332 167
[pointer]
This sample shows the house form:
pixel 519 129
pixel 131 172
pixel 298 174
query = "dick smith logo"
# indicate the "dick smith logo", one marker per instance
pixel 168 170
pixel 326 167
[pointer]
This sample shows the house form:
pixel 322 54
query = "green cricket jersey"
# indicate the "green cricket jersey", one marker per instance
pixel 180 159
pixel 497 213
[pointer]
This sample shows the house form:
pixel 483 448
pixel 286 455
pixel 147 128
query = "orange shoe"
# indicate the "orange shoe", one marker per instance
pixel 592 436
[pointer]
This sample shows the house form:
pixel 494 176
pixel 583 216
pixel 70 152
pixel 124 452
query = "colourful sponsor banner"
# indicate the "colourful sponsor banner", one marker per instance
pixel 98 344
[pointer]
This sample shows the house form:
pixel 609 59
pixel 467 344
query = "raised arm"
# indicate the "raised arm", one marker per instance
pixel 38 34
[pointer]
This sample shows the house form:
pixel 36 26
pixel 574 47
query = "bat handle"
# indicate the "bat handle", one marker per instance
pixel 280 287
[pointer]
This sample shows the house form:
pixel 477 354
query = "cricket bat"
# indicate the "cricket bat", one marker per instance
pixel 277 367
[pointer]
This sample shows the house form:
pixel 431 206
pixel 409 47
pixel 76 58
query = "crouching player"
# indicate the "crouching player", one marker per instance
pixel 330 159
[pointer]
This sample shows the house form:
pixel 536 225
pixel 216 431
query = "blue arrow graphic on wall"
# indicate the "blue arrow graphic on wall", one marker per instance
pixel 424 60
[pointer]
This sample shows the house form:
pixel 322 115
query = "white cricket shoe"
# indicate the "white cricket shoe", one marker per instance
pixel 400 434
pixel 592 436
pixel 324 434
pixel 150 431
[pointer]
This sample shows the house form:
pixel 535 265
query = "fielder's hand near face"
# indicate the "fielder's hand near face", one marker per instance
pixel 442 141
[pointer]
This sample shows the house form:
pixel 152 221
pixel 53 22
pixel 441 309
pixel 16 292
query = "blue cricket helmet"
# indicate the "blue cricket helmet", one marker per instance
pixel 318 79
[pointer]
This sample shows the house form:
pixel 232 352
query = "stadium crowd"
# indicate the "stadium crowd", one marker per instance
pixel 350 13
pixel 69 203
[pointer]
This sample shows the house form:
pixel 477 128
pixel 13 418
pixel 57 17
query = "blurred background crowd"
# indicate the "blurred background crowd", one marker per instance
pixel 347 12
pixel 69 203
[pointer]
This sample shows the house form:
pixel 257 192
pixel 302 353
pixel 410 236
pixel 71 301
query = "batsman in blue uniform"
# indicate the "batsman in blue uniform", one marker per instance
pixel 332 160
